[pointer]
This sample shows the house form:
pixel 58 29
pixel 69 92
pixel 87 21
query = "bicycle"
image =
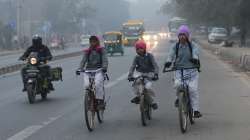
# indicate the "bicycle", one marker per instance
pixel 90 101
pixel 184 108
pixel 145 99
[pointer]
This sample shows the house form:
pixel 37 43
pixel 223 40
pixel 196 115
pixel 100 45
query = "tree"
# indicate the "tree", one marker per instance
pixel 210 12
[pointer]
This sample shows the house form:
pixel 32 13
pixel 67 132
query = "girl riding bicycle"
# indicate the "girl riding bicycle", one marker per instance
pixel 144 63
pixel 185 54
pixel 95 58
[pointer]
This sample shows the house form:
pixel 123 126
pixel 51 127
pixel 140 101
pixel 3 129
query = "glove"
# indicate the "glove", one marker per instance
pixel 104 70
pixel 131 79
pixel 194 61
pixel 21 58
pixel 167 64
pixel 156 77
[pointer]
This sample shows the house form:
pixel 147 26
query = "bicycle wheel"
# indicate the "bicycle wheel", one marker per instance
pixel 183 113
pixel 143 111
pixel 89 112
pixel 147 103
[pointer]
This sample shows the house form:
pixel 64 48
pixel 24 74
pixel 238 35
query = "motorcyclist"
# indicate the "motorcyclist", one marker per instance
pixel 43 54
pixel 185 54
pixel 95 58
pixel 144 63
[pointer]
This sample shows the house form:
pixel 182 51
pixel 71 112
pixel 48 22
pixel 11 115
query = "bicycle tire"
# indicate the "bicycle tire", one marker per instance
pixel 143 112
pixel 182 112
pixel 89 118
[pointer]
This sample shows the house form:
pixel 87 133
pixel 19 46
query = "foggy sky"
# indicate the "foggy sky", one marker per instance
pixel 148 10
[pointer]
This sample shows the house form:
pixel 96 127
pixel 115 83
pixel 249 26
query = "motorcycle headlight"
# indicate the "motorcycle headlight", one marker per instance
pixel 33 61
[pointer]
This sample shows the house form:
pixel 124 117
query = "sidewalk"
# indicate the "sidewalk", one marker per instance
pixel 235 55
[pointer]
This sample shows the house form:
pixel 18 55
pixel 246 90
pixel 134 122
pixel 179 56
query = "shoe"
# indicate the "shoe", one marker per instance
pixel 176 103
pixel 154 106
pixel 197 114
pixel 135 100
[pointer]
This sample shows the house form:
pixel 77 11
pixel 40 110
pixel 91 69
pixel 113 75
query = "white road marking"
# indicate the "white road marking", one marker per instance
pixel 113 83
pixel 27 132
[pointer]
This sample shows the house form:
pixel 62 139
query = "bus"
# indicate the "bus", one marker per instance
pixel 132 31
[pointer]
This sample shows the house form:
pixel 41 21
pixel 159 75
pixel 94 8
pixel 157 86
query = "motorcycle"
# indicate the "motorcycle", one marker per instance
pixel 38 77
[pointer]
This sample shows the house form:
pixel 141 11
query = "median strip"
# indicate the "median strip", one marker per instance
pixel 16 67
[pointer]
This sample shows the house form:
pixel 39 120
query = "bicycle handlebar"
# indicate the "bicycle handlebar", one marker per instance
pixel 178 68
pixel 92 71
pixel 141 76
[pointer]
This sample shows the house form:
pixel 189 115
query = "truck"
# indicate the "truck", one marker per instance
pixel 132 31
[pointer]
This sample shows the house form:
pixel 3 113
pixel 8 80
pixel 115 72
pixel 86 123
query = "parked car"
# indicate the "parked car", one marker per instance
pixel 218 35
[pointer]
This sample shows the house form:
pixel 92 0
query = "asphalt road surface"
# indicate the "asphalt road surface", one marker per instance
pixel 224 97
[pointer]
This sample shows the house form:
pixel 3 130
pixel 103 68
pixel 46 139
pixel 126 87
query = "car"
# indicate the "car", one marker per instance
pixel 163 35
pixel 218 35
pixel 151 38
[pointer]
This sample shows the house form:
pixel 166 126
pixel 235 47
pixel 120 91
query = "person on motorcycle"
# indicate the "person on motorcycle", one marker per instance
pixel 144 63
pixel 43 53
pixel 95 58
pixel 186 54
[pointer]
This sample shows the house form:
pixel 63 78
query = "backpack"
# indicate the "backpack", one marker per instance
pixel 191 52
pixel 149 57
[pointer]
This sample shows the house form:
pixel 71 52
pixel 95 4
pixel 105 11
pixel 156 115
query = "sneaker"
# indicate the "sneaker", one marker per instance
pixel 197 114
pixel 135 100
pixel 154 106
pixel 176 103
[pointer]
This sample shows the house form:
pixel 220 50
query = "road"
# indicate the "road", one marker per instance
pixel 224 97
